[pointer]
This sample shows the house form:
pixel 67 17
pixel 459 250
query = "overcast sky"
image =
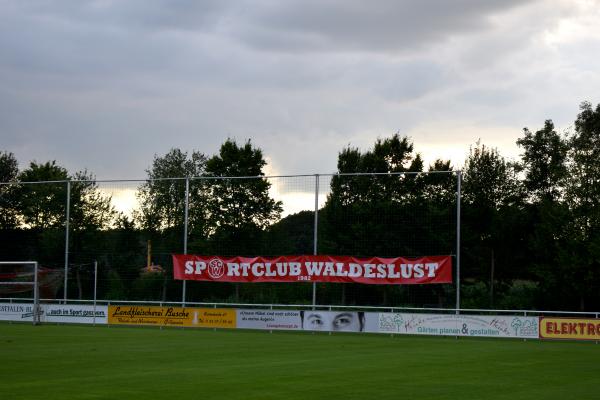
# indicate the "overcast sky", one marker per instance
pixel 106 85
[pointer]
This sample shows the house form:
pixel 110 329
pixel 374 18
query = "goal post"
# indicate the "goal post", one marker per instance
pixel 15 278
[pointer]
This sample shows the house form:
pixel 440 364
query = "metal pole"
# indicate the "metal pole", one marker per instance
pixel 185 231
pixel 315 237
pixel 68 217
pixel 458 199
pixel 95 287
pixel 36 296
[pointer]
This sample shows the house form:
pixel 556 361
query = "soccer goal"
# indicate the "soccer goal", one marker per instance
pixel 19 277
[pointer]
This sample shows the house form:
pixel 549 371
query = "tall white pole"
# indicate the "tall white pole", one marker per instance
pixel 315 237
pixel 185 231
pixel 95 287
pixel 36 295
pixel 458 199
pixel 68 217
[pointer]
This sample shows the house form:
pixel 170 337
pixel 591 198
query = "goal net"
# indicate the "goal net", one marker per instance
pixel 22 277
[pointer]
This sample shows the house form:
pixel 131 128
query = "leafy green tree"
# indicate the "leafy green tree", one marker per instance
pixel 391 214
pixel 9 170
pixel 489 181
pixel 239 210
pixel 43 194
pixel 91 209
pixel 581 248
pixel 161 214
pixel 390 155
pixel 492 233
pixel 162 196
pixel 91 215
pixel 9 167
pixel 544 161
pixel 41 205
pixel 439 186
pixel 43 198
pixel 239 204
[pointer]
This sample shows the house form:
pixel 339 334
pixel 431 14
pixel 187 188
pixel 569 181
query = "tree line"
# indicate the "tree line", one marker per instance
pixel 530 228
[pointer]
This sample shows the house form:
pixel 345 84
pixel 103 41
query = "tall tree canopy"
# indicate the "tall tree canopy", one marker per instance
pixel 239 203
pixel 491 203
pixel 43 205
pixel 389 155
pixel 581 249
pixel 544 160
pixel 162 196
pixel 9 171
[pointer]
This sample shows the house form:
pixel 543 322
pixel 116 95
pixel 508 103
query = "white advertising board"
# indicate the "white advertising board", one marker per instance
pixel 16 312
pixel 54 313
pixel 74 314
pixel 268 319
pixel 459 325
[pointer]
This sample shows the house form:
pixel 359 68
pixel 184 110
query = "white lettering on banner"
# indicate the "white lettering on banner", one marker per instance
pixel 270 272
pixel 418 270
pixel 233 269
pixel 245 268
pixel 355 270
pixel 391 273
pixel 340 271
pixel 295 269
pixel 369 271
pixel 431 268
pixel 258 269
pixel 314 268
pixel 189 267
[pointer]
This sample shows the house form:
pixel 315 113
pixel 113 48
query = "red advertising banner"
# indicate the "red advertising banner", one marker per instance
pixel 340 269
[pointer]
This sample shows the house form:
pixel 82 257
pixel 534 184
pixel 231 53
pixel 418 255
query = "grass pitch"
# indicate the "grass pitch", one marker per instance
pixel 83 362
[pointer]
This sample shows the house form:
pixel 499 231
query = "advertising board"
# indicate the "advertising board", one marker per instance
pixel 16 312
pixel 269 319
pixel 570 328
pixel 459 325
pixel 74 314
pixel 172 316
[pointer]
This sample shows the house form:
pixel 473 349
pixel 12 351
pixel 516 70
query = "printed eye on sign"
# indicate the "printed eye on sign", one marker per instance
pixel 337 269
pixel 570 328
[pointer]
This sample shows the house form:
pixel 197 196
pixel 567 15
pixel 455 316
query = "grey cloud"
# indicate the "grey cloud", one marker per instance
pixel 354 25
pixel 104 85
pixel 153 15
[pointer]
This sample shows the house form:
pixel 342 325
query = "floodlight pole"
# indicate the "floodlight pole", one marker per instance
pixel 68 217
pixel 95 287
pixel 36 295
pixel 458 198
pixel 315 237
pixel 185 231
